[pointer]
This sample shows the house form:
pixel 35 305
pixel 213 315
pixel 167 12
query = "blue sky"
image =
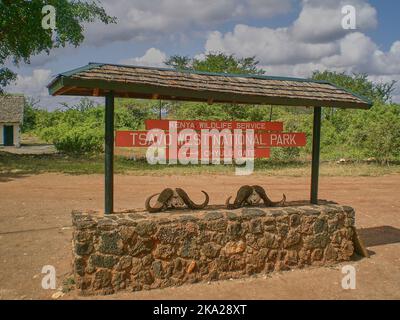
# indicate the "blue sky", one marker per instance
pixel 288 37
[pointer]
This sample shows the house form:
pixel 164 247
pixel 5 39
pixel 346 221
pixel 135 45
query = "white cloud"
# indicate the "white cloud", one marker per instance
pixel 321 20
pixel 314 42
pixel 271 46
pixel 264 8
pixel 33 85
pixel 144 20
pixel 152 58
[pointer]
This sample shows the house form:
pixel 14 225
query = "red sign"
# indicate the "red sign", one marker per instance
pixel 209 139
pixel 211 124
pixel 220 153
pixel 146 139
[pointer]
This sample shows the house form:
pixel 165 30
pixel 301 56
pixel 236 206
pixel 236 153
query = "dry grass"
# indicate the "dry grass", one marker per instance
pixel 34 164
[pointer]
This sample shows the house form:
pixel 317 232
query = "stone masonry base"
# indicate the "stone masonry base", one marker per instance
pixel 136 251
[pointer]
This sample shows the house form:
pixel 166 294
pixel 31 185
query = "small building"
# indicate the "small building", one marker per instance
pixel 11 117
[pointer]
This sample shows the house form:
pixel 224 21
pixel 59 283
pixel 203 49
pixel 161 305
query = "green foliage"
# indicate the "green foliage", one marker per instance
pixel 217 62
pixel 359 84
pixel 352 134
pixel 30 114
pixel 22 35
pixel 79 128
pixel 377 133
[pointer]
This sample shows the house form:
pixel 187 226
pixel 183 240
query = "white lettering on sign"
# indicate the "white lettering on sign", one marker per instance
pixel 285 139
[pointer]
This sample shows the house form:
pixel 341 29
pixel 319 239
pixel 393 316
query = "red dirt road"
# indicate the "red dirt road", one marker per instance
pixel 35 231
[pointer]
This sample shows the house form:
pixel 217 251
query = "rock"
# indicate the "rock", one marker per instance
pixel 292 239
pixel 157 268
pixel 119 280
pixel 217 225
pixel 330 253
pixel 147 260
pixel 234 230
pixel 231 215
pixel 83 249
pixel 346 250
pixel 124 263
pixel 171 234
pixel 57 295
pixel 252 213
pixel 269 240
pixel 135 216
pixel 142 246
pixel 189 249
pixel 127 233
pixel 164 251
pixel 136 265
pixel 294 220
pixel 316 241
pixel 283 229
pixel 234 247
pixel 145 228
pixel 256 226
pixel 190 268
pixel 291 258
pixel 106 224
pixel 102 279
pixel 79 266
pixel 83 236
pixel 111 243
pixel 213 215
pixel 145 277
pixel 317 255
pixel 211 250
pixel 320 226
pixel 305 256
pixel 102 261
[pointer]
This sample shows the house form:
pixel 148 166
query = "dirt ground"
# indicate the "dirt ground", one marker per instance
pixel 35 230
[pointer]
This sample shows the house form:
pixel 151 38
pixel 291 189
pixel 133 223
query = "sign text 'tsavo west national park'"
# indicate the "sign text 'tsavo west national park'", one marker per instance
pixel 191 141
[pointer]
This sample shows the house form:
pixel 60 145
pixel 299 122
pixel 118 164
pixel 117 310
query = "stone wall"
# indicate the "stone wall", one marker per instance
pixel 138 251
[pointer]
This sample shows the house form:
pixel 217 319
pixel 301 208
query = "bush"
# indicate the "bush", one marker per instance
pixel 80 140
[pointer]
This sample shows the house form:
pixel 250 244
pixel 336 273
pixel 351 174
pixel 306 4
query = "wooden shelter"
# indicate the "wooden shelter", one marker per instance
pixel 110 80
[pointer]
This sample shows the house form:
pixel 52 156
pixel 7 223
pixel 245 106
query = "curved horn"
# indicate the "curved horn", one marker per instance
pixel 243 193
pixel 163 197
pixel 282 202
pixel 228 205
pixel 154 209
pixel 189 202
pixel 267 201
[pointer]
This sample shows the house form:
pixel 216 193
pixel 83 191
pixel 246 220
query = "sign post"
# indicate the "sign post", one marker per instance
pixel 109 154
pixel 315 155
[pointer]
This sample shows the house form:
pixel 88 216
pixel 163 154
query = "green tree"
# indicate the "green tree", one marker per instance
pixel 216 62
pixel 359 84
pixel 22 35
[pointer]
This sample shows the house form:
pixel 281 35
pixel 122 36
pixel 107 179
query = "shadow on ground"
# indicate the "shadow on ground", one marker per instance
pixel 379 236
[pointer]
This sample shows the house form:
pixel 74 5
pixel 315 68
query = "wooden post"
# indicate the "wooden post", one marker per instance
pixel 109 154
pixel 315 155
